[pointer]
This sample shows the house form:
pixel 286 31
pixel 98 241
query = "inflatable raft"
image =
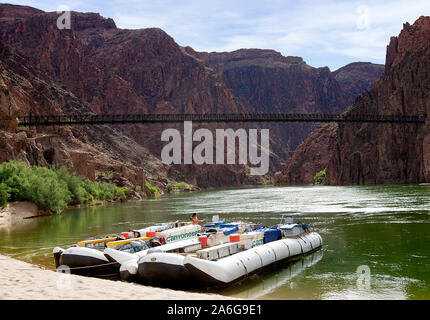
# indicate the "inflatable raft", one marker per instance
pixel 133 267
pixel 225 254
pixel 228 270
pixel 87 257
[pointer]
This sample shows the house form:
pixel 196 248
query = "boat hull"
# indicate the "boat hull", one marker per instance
pixel 165 270
pixel 178 271
pixel 226 271
pixel 85 262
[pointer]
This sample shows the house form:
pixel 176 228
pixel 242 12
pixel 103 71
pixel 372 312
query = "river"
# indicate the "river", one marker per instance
pixel 376 238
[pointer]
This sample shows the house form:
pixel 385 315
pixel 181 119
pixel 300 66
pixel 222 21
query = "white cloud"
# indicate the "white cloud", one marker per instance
pixel 338 31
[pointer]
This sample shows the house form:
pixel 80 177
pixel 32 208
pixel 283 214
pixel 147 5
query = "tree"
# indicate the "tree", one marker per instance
pixel 4 195
pixel 320 177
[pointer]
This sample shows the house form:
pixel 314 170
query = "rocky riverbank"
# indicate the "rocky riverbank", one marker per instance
pixel 18 212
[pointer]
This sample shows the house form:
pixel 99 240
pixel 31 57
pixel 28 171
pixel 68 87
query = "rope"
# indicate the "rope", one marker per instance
pixel 95 266
pixel 101 265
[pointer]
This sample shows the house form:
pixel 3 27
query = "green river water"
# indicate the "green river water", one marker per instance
pixel 386 229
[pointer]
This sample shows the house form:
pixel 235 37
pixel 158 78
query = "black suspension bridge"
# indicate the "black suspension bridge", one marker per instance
pixel 99 119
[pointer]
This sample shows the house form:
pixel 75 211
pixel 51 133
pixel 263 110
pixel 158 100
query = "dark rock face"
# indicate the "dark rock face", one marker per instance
pixel 265 81
pixel 24 88
pixel 356 78
pixel 385 153
pixel 268 82
pixel 310 157
pixel 389 153
pixel 123 71
pixel 412 38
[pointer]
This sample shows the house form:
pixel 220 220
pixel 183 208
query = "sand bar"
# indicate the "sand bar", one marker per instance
pixel 23 281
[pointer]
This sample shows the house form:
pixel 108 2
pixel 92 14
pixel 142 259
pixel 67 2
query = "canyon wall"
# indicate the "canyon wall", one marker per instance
pixel 24 88
pixel 371 153
pixel 268 82
pixel 111 70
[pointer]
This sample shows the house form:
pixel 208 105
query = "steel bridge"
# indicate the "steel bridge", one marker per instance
pixel 98 119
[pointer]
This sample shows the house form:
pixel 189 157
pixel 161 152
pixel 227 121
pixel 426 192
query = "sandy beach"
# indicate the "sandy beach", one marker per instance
pixel 23 281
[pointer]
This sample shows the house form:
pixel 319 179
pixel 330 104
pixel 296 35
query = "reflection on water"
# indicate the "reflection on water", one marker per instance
pixel 386 228
pixel 262 285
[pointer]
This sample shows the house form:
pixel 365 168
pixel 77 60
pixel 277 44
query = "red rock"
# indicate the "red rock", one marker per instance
pixel 310 157
pixel 412 38
pixel 83 164
pixel 30 89
pixel 266 81
pixel 372 153
pixel 104 69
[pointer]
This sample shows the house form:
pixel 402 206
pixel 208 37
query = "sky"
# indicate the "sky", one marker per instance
pixel 325 33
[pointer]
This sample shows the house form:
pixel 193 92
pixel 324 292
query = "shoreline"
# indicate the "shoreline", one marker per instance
pixel 21 280
pixel 16 213
pixel 24 281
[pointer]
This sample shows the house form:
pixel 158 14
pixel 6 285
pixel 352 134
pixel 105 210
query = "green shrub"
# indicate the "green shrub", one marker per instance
pixel 74 184
pixel 181 186
pixel 47 190
pixel 14 176
pixel 169 187
pixel 320 177
pixel 103 191
pixel 38 185
pixel 153 190
pixel 22 128
pixel 266 182
pixel 51 188
pixel 4 195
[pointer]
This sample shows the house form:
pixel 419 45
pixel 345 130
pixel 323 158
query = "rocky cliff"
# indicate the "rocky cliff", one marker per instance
pixel 112 70
pixel 310 157
pixel 268 82
pixel 356 78
pixel 387 153
pixel 89 152
pixel 125 71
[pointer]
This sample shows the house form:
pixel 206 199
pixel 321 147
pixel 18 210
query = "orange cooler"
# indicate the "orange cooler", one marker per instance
pixel 204 241
pixel 235 238
pixel 127 235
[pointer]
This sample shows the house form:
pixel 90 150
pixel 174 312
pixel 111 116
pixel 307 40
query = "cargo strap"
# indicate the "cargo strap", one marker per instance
pixel 301 247
pixel 274 252
pixel 289 252
pixel 310 242
pixel 246 269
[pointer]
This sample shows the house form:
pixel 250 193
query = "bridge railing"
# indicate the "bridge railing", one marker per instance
pixel 155 118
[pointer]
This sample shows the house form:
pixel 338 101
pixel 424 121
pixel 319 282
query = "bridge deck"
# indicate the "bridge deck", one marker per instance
pixel 85 119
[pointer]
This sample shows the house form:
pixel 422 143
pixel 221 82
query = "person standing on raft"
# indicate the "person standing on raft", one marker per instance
pixel 194 218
